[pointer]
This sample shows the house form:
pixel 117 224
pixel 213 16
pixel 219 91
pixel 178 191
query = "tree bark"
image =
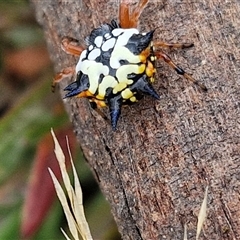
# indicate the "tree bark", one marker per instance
pixel 155 168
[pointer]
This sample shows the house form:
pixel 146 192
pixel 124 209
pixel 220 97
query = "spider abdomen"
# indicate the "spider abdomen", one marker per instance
pixel 109 70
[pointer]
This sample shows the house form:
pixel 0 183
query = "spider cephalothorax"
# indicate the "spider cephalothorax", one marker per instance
pixel 118 65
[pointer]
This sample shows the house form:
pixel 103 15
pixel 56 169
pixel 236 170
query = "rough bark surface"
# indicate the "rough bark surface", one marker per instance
pixel 154 169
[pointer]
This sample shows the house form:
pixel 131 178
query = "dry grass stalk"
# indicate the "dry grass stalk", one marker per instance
pixel 185 232
pixel 74 213
pixel 201 217
pixel 202 214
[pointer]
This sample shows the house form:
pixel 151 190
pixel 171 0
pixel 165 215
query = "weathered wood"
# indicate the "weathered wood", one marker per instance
pixel 154 169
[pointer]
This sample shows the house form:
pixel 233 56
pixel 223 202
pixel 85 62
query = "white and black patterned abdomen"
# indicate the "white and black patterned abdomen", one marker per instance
pixel 116 68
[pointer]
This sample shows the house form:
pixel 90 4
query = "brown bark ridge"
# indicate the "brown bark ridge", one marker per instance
pixel 155 168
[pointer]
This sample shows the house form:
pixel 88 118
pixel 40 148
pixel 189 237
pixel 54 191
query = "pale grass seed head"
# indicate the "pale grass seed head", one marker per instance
pixel 201 217
pixel 73 210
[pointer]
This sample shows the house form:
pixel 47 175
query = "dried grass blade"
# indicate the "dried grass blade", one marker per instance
pixel 64 203
pixel 61 161
pixel 78 204
pixel 65 235
pixel 185 232
pixel 202 214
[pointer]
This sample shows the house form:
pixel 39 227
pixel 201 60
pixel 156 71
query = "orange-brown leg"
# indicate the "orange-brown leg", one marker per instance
pixel 179 70
pixel 69 46
pixel 173 45
pixel 66 72
pixel 127 18
pixel 124 14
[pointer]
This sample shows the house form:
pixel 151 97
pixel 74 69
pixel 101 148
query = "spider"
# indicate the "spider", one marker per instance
pixel 118 66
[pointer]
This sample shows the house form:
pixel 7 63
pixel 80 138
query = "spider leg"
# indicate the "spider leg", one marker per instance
pixel 179 70
pixel 94 106
pixel 66 72
pixel 69 46
pixel 173 45
pixel 130 19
